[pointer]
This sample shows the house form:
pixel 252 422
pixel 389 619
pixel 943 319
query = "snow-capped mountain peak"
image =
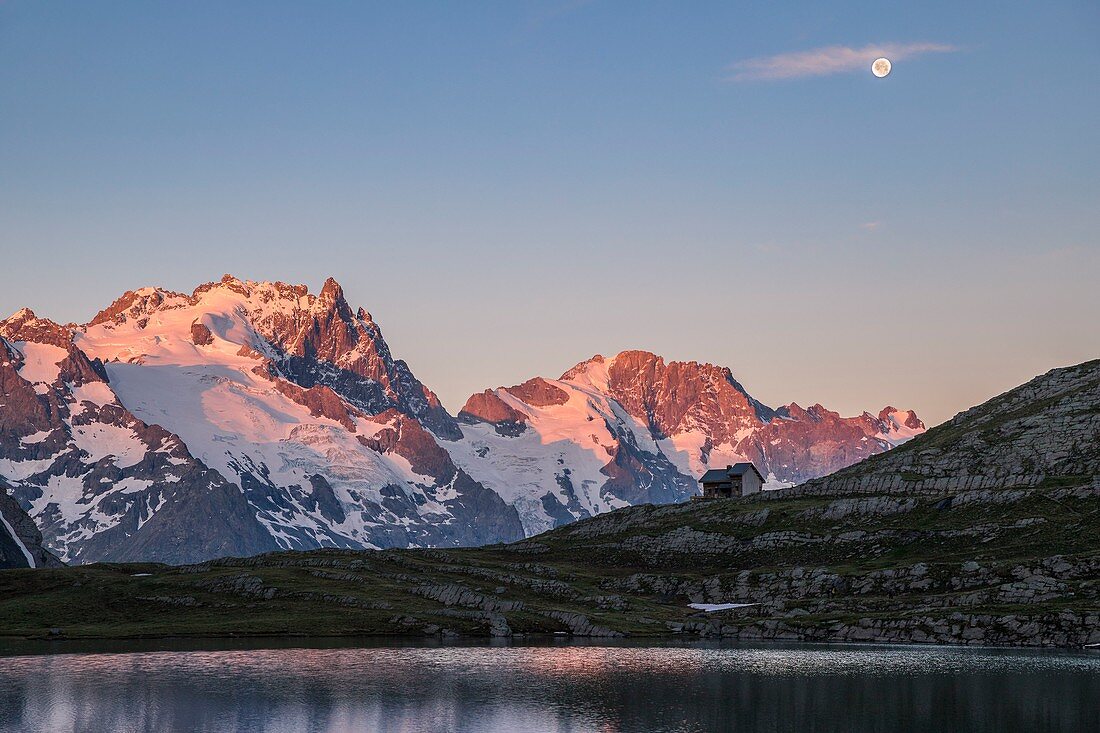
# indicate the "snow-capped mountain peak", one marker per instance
pixel 251 416
pixel 634 428
pixel 272 399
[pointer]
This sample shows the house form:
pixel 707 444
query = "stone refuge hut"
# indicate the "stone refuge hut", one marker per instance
pixel 740 479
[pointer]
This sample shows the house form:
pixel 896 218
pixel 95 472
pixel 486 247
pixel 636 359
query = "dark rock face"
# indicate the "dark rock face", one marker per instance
pixel 201 335
pixel 804 444
pixel 539 393
pixel 208 517
pixel 638 476
pixel 487 407
pixel 669 397
pixel 328 344
pixel 19 537
pixel 471 504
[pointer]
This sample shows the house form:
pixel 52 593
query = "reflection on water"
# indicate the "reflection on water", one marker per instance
pixel 559 687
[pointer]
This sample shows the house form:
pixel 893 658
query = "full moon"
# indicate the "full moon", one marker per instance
pixel 881 67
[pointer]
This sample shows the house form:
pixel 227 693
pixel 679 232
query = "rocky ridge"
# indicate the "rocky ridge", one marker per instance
pixel 634 429
pixel 1045 430
pixel 242 418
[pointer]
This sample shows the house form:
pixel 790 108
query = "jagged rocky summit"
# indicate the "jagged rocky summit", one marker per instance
pixel 252 416
pixel 635 429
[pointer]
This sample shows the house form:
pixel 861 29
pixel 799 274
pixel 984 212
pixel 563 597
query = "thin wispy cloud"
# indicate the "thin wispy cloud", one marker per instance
pixel 827 60
pixel 555 11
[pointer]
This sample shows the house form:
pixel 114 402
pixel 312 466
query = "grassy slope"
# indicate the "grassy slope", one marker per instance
pixel 631 571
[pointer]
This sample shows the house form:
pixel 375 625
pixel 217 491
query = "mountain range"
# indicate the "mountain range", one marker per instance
pixel 981 531
pixel 254 416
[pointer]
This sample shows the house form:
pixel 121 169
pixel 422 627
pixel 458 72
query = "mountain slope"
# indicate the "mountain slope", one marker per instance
pixel 239 419
pixel 100 483
pixel 634 429
pixel 252 416
pixel 997 559
pixel 20 540
pixel 1047 430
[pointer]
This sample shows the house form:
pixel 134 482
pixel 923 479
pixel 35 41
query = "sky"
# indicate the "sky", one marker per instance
pixel 512 187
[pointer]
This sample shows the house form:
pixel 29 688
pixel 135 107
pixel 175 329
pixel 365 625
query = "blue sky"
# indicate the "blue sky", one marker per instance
pixel 511 187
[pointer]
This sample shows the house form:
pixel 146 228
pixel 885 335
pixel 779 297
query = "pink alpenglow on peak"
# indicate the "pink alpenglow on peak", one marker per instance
pixel 634 428
pixel 253 416
pixel 278 412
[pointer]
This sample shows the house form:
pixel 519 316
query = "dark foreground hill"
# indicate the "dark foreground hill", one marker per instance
pixel 985 530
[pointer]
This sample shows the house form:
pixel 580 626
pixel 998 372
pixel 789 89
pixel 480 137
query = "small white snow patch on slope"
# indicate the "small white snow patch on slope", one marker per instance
pixel 36 437
pixel 708 607
pixel 20 470
pixel 771 483
pixel 40 363
pixel 685 450
pixel 100 440
pixel 98 393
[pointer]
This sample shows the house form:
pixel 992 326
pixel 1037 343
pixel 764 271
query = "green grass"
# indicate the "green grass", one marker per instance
pixel 337 592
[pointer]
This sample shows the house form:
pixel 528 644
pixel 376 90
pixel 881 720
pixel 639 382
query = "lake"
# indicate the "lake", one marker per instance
pixel 331 687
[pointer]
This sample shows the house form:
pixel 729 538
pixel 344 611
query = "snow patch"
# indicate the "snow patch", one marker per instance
pixel 98 393
pixel 41 363
pixel 20 470
pixel 897 432
pixel 36 437
pixel 100 440
pixel 708 607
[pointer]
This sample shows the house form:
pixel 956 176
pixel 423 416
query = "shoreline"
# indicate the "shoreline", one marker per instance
pixel 366 640
pixel 11 647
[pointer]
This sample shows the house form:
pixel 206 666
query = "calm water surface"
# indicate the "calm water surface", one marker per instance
pixel 550 687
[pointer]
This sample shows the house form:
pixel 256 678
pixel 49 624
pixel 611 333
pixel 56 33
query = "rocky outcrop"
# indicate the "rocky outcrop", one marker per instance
pixel 539 393
pixel 674 397
pixel 321 401
pixel 1045 432
pixel 201 335
pixel 487 407
pixel 325 343
pixel 811 442
pixel 481 516
pixel 20 541
pixel 1061 629
pixel 24 325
